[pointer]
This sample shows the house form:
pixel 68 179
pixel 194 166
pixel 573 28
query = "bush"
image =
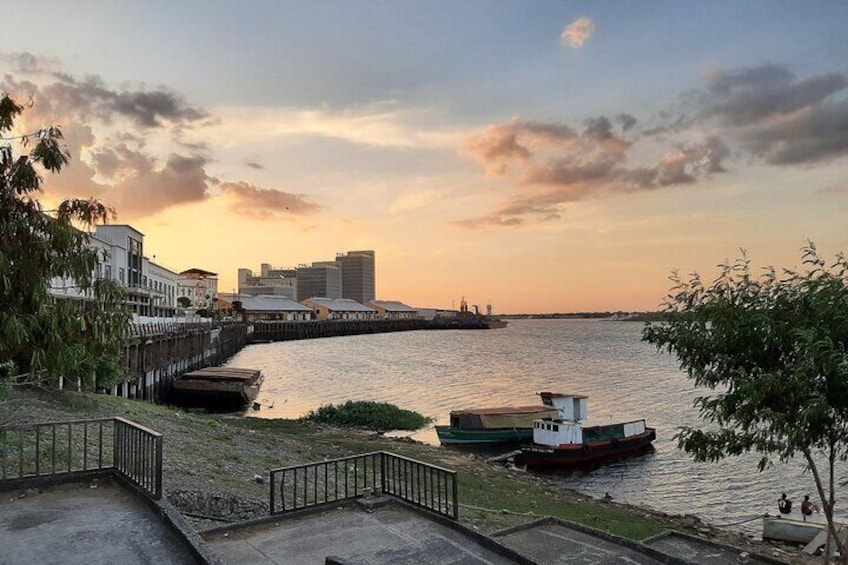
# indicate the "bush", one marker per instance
pixel 377 416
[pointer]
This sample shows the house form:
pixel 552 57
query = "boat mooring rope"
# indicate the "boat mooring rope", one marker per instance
pixel 746 520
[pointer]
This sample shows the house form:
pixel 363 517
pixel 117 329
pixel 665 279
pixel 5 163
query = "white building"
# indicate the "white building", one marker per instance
pixel 151 288
pixel 198 289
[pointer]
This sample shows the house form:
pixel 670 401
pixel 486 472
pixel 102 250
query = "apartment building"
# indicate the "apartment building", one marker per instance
pixel 151 288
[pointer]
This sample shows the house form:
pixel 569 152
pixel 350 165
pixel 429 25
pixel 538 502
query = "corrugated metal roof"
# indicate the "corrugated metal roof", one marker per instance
pixel 506 410
pixel 392 306
pixel 340 304
pixel 271 303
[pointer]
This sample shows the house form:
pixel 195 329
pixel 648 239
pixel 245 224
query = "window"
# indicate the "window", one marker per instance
pixel 121 274
pixel 556 428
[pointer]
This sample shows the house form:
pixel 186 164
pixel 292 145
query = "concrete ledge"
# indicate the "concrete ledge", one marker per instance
pixel 696 539
pixel 482 539
pixel 58 479
pixel 625 542
pixel 272 518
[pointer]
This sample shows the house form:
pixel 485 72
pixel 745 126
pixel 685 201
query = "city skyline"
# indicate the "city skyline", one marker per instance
pixel 544 157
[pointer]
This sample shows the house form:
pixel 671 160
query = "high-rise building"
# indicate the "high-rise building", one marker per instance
pixel 357 274
pixel 322 279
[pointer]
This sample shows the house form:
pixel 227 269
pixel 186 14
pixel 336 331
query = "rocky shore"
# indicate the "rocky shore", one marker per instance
pixel 216 470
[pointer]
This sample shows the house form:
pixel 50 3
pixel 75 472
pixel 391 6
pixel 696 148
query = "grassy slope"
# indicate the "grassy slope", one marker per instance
pixel 218 456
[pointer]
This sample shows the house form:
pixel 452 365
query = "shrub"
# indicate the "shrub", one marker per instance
pixel 378 416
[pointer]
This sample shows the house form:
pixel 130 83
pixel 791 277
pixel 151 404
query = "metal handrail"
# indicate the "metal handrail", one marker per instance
pixel 297 487
pixel 77 446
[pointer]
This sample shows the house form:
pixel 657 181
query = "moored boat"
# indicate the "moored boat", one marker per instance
pixel 568 441
pixel 781 528
pixel 512 424
pixel 217 387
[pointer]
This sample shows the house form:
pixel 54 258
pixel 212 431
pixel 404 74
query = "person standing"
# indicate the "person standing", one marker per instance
pixel 807 507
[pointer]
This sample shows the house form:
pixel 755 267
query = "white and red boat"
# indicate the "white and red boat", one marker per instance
pixel 570 441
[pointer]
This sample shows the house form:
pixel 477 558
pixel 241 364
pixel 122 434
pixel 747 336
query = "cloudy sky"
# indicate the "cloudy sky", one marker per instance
pixel 541 156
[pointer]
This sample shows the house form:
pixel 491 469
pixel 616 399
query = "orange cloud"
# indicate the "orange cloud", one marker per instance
pixel 266 204
pixel 577 33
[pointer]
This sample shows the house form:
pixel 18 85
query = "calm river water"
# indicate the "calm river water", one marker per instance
pixel 434 372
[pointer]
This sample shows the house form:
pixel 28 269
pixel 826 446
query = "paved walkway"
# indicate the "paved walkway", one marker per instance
pixel 80 525
pixel 555 544
pixel 386 535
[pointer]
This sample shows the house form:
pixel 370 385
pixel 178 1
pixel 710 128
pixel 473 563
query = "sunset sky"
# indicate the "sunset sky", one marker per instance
pixel 542 156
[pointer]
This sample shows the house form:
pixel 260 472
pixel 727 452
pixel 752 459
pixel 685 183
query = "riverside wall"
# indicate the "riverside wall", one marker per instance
pixel 156 354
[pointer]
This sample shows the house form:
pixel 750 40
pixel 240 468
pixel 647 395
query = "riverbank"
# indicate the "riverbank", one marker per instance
pixel 215 469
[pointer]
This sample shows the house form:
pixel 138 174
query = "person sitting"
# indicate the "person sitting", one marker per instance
pixel 784 504
pixel 807 507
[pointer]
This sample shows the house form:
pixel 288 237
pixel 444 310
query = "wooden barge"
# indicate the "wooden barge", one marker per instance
pixel 217 387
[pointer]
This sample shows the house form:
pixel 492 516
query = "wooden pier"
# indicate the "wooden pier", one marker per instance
pixel 287 331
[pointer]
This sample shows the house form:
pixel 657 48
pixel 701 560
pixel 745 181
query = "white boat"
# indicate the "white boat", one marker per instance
pixel 792 530
pixel 569 441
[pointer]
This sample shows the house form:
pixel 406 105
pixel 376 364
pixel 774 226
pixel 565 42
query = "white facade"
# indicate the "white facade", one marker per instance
pixel 151 288
pixel 199 287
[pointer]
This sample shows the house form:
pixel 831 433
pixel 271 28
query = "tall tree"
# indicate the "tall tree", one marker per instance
pixel 772 352
pixel 41 337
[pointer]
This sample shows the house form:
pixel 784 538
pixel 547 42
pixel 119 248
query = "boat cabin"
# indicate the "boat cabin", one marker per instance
pixel 570 426
pixel 561 432
pixel 573 407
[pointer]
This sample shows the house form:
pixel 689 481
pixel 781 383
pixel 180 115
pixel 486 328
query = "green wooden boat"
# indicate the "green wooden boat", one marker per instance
pixel 511 424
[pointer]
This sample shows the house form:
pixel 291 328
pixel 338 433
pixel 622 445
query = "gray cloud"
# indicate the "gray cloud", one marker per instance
pixel 122 172
pixel 626 120
pixel 774 115
pixel 766 113
pixel 26 62
pixel 91 98
pixel 254 164
pixel 748 96
pixel 266 204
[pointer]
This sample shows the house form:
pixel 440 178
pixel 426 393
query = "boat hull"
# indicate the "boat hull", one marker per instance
pixel 791 530
pixel 573 456
pixel 454 436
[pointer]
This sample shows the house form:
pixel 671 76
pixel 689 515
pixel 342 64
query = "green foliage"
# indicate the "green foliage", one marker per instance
pixel 184 301
pixel 378 416
pixel 40 336
pixel 773 353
